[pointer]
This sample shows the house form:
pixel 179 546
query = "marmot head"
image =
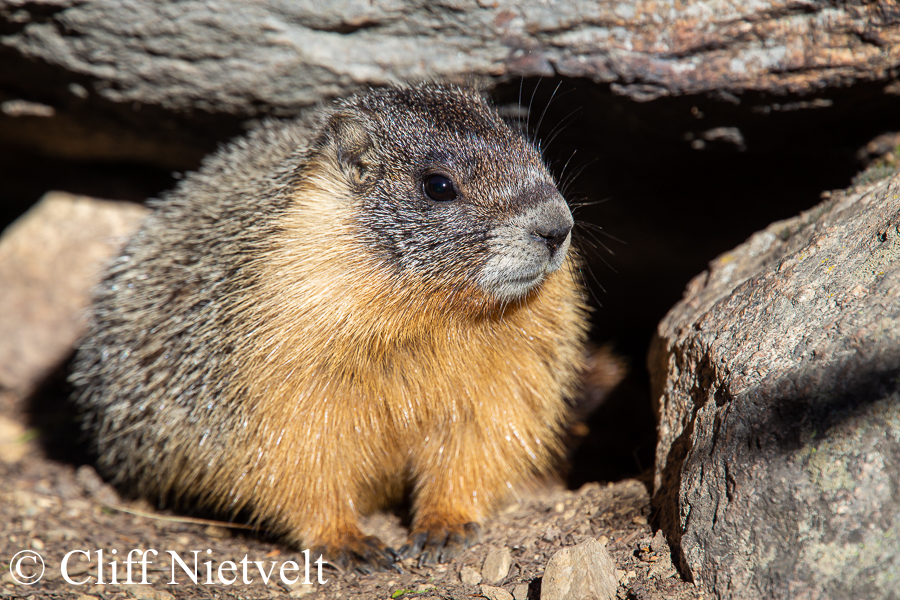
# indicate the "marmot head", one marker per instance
pixel 446 193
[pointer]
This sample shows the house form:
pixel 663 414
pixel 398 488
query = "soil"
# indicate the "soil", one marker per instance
pixel 54 504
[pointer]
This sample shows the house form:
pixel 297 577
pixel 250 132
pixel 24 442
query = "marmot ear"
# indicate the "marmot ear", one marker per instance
pixel 352 145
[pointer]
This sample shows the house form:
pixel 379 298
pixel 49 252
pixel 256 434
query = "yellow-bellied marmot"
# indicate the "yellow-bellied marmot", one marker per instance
pixel 337 311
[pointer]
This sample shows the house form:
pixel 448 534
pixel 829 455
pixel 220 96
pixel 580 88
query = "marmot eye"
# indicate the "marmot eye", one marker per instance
pixel 439 188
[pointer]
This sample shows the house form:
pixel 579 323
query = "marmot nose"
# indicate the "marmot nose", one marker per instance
pixel 553 237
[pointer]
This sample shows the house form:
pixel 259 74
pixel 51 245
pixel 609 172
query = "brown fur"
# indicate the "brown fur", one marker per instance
pixel 252 350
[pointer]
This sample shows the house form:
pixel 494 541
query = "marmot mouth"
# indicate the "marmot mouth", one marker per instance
pixel 510 276
pixel 524 250
pixel 512 290
pixel 526 282
pixel 527 279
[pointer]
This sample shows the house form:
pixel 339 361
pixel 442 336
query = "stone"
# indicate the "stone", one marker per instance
pixel 658 543
pixel 13 443
pixel 582 572
pixel 777 385
pixel 140 592
pixel 49 260
pixel 495 593
pixel 470 576
pixel 496 565
pixel 520 592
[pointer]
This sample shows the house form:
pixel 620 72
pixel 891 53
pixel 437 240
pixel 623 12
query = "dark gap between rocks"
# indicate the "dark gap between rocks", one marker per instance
pixel 680 181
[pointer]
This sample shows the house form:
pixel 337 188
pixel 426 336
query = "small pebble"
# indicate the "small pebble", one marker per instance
pixel 495 593
pixel 659 541
pixel 470 576
pixel 145 593
pixel 496 565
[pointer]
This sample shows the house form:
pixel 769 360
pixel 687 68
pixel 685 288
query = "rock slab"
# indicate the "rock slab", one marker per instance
pixel 131 82
pixel 582 572
pixel 777 381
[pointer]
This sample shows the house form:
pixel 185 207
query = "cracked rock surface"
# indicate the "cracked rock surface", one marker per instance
pixel 776 378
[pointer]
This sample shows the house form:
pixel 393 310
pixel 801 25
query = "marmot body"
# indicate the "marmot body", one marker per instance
pixel 335 312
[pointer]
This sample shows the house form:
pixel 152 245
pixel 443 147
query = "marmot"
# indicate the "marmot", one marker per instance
pixel 336 311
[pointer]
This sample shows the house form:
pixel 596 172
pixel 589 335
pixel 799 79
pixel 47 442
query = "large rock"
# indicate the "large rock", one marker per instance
pixel 49 260
pixel 778 387
pixel 116 79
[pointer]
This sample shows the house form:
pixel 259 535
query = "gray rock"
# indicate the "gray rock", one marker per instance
pixel 496 565
pixel 582 572
pixel 131 83
pixel 777 381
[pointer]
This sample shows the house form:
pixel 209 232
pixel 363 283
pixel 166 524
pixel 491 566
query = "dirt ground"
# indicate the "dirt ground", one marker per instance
pixel 53 507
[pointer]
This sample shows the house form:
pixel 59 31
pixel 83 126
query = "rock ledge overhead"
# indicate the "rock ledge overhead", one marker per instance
pixel 161 81
pixel 777 379
pixel 235 54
